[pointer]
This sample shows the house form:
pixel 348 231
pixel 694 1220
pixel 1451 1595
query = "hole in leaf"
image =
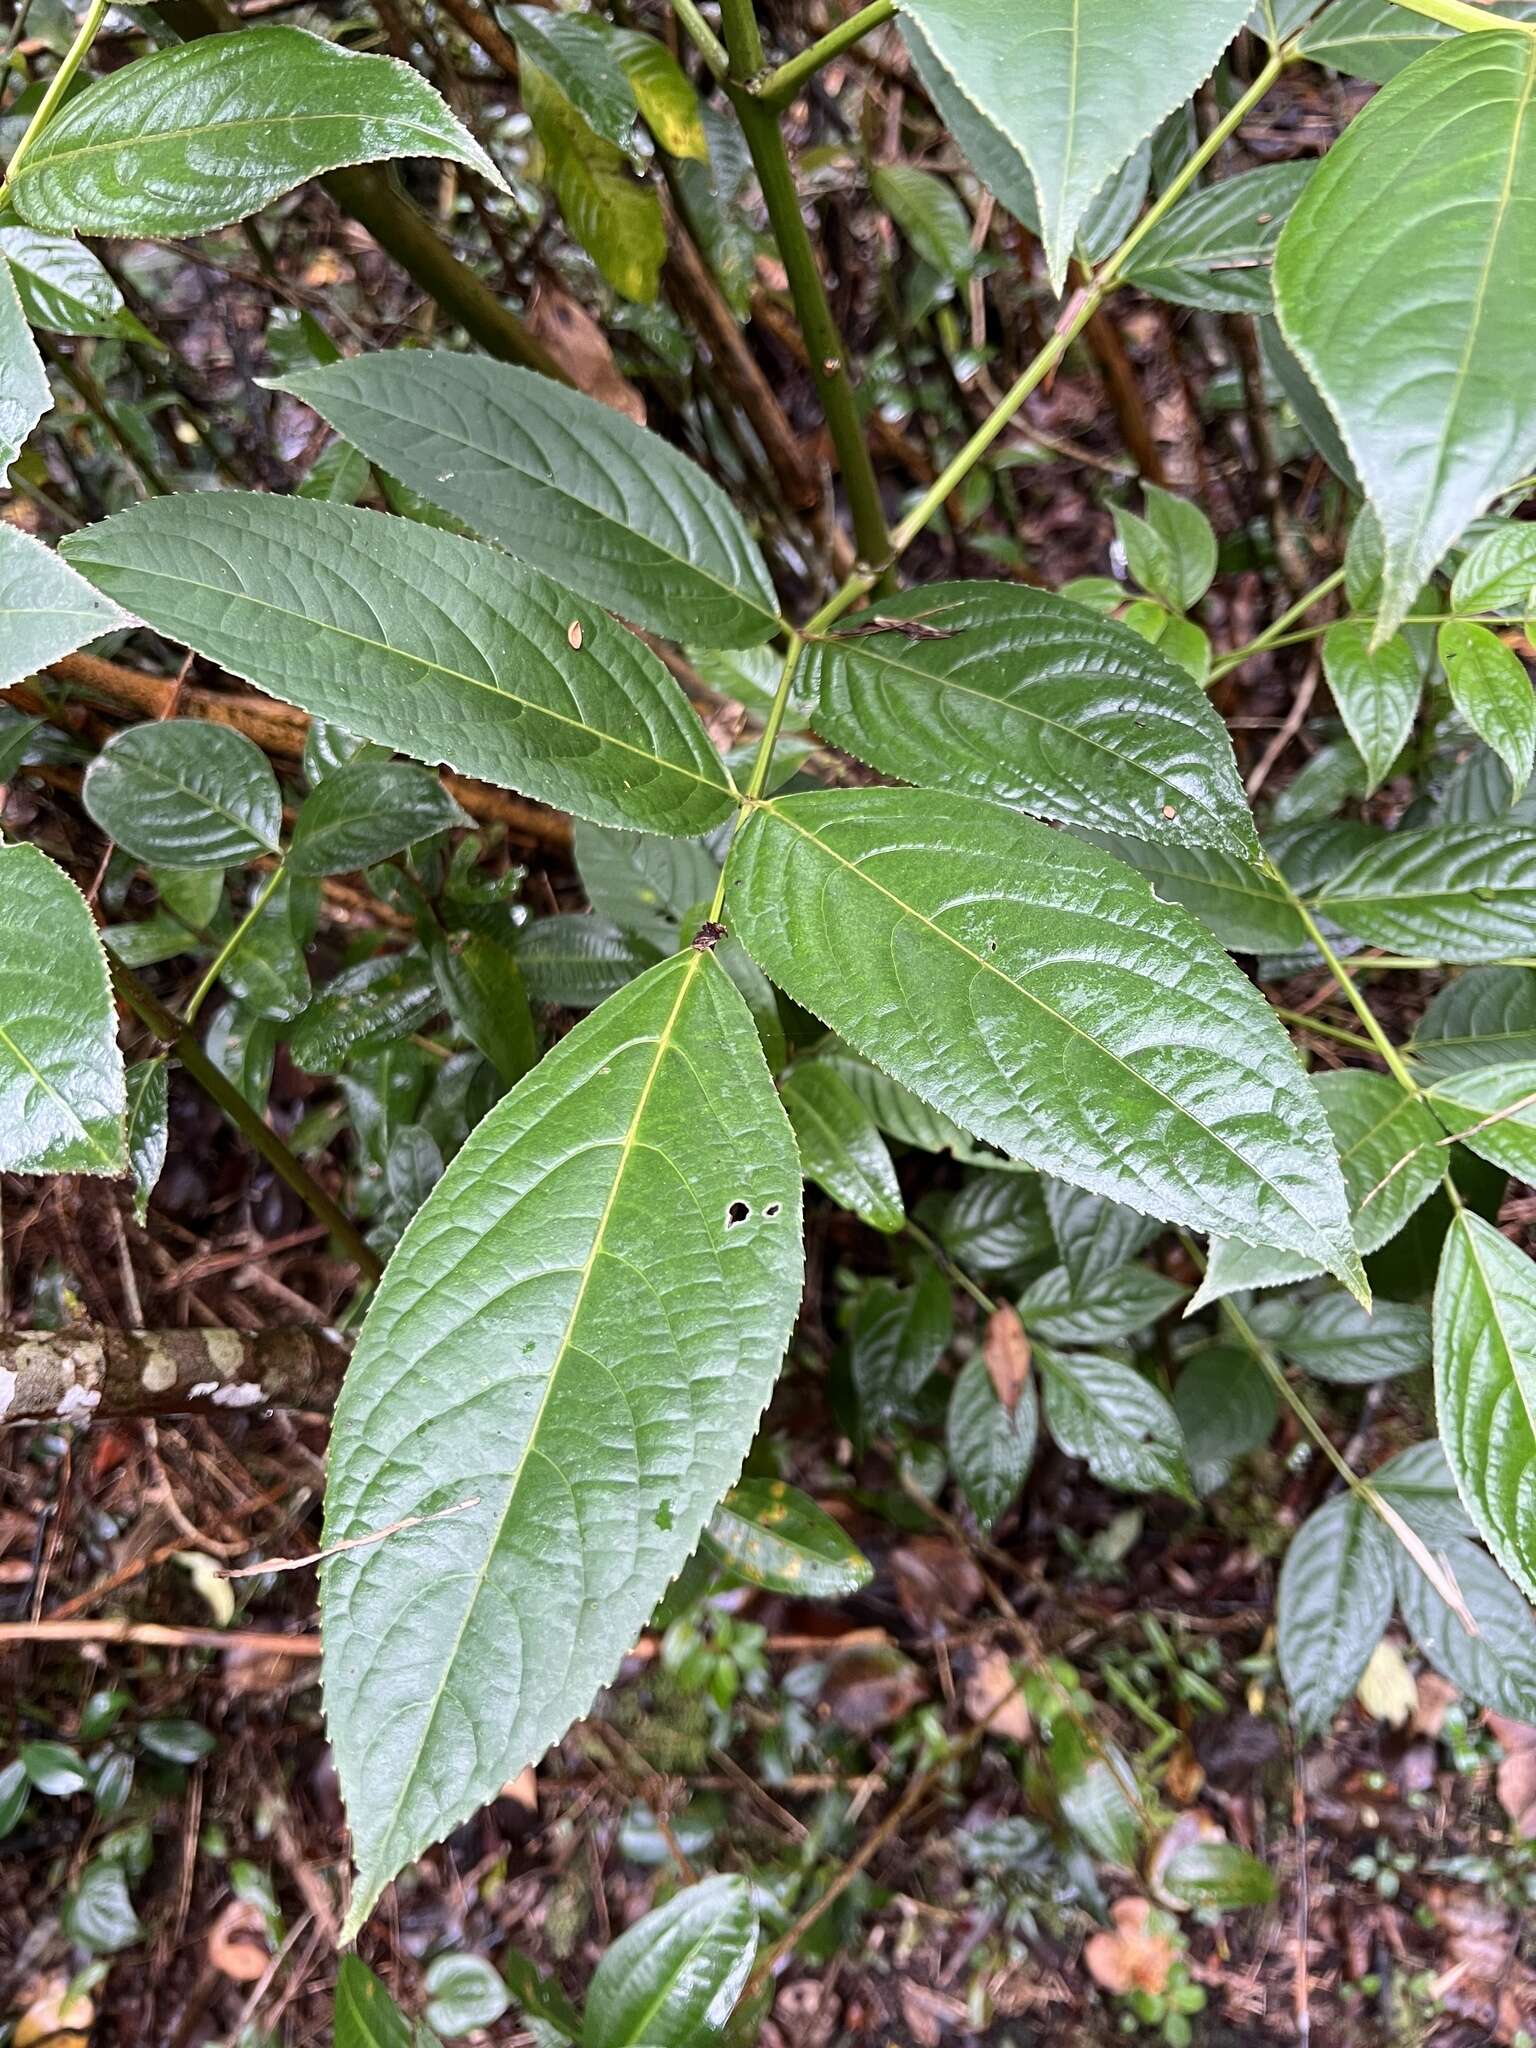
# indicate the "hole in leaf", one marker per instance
pixel 772 1210
pixel 738 1212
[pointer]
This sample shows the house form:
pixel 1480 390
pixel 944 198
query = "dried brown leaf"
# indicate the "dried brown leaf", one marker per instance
pixel 1005 1347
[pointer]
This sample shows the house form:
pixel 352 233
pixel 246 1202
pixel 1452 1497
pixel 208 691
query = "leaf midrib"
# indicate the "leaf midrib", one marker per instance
pixel 107 1158
pixel 435 667
pixel 980 960
pixel 691 963
pixel 43 158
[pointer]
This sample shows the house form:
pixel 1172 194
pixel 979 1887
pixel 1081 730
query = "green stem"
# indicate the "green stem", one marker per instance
pixel 782 84
pixel 232 944
pixel 708 43
pixel 58 85
pixel 824 344
pixel 1316 1025
pixel 172 1032
pixel 1379 1040
pixel 958 1274
pixel 1274 631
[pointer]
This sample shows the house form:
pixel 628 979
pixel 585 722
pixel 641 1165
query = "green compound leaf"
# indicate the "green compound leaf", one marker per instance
pixel 671 1980
pixel 1032 700
pixel 1485 1387
pixel 1213 249
pixel 1456 893
pixel 205 133
pixel 990 1450
pixel 183 794
pixel 559 480
pixel 1068 90
pixel 1434 181
pixel 840 1144
pixel 1334 1604
pixel 1037 992
pixel 48 610
pixel 578 1332
pixel 1492 691
pixel 439 647
pixel 62 1093
pixel 775 1536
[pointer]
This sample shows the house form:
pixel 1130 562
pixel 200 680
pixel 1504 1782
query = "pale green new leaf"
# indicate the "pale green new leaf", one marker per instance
pixel 62 1093
pixel 1334 1604
pixel 1435 181
pixel 24 392
pixel 1377 692
pixel 665 93
pixel 1030 699
pixel 1072 90
pixel 1499 573
pixel 1492 691
pixel 1103 1412
pixel 577 1333
pixel 1492 1110
pixel 1497 1666
pixel 561 481
pixel 66 289
pixel 1171 552
pixel 1037 992
pixel 48 610
pixel 184 794
pixel 1453 893
pixel 1485 1387
pixel 841 1147
pixel 436 646
pixel 1213 248
pixel 990 1450
pixel 671 1980
pixel 204 133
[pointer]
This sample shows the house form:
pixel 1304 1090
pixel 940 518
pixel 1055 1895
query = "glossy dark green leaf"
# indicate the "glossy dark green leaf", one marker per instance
pixel 1213 248
pixel 671 1980
pixel 148 1085
pixel 62 1094
pixel 578 961
pixel 904 1116
pixel 1036 991
pixel 1110 1304
pixel 1334 1339
pixel 24 392
pixel 366 811
pixel 1094 1784
pixel 464 1992
pixel 1242 904
pixel 1103 1412
pixel 996 1222
pixel 1499 572
pixel 1377 692
pixel 1334 1604
pixel 1032 700
pixel 563 482
pixel 1092 1235
pixel 1454 893
pixel 1072 96
pixel 365 1008
pixel 774 1536
pixel 990 1450
pixel 204 133
pixel 98 1914
pixel 580 59
pixel 930 213
pixel 1435 179
pixel 55 1769
pixel 1492 691
pixel 438 647
pixel 897 1337
pixel 841 1147
pixel 64 288
pixel 49 611
pixel 562 1340
pixel 1217 1875
pixel 15 1790
pixel 1226 1407
pixel 185 794
pixel 1485 1387
pixel 1497 1666
pixel 484 993
pixel 644 884
pixel 1485 1018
